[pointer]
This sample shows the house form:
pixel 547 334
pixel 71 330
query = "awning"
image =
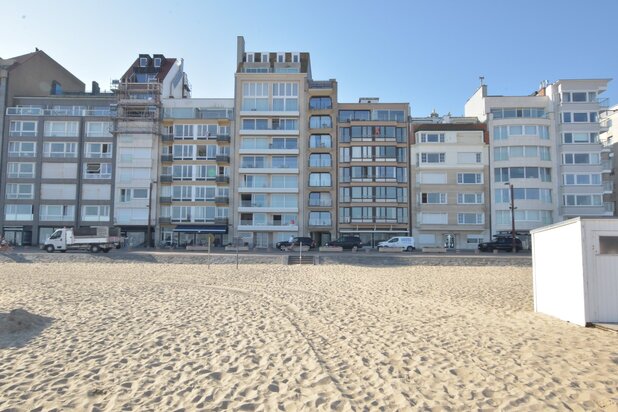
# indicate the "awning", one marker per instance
pixel 201 229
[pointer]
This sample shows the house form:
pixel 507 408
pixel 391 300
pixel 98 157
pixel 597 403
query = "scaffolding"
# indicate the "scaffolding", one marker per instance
pixel 138 108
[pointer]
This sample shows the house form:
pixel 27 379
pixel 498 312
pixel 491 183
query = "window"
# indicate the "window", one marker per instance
pixel 22 149
pixel 469 178
pixel 581 179
pixel 320 179
pixel 581 158
pixel 320 103
pixel 320 140
pixel 432 138
pixel 579 117
pixel 354 115
pixel 504 132
pixel 285 97
pixel 183 151
pixel 320 122
pixel 157 62
pixel 284 181
pixel 319 219
pixel 433 157
pixel 255 96
pixel 581 137
pixel 254 124
pixel 99 150
pixel 143 62
pixel 20 191
pixel 208 131
pixel 470 218
pixel 97 171
pixel 583 200
pixel 284 162
pixel 60 149
pixel 280 57
pixel 251 162
pixel 254 143
pixel 432 198
pixel 503 174
pixel 57 213
pixel 285 124
pixel 295 58
pixel 284 143
pixel 98 129
pixel 503 217
pixel 26 128
pixel 61 129
pixel 470 198
pixel 249 57
pixel 320 160
pixel 579 97
pixel 18 212
pixel 127 195
pixel 320 199
pixel 426 218
pixel 20 170
pixel 94 213
pixel 183 131
pixel 468 157
pixel 518 112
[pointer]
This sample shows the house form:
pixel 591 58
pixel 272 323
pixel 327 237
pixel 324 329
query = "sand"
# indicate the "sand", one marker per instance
pixel 271 337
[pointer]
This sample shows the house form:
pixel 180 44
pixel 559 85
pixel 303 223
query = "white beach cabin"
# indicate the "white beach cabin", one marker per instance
pixel 575 270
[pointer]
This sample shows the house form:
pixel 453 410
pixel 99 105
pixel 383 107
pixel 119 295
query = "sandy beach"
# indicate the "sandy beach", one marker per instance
pixel 131 336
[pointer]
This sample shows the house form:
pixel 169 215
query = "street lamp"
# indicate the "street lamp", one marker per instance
pixel 512 207
pixel 148 233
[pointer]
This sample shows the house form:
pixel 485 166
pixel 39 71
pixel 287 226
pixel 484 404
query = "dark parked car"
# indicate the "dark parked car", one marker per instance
pixel 347 242
pixel 501 243
pixel 305 241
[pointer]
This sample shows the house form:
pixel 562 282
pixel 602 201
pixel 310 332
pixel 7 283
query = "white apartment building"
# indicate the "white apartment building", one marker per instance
pixel 137 129
pixel 271 122
pixel 546 145
pixel 450 183
pixel 609 137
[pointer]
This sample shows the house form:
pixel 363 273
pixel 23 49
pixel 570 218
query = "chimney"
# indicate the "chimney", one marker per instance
pixel 95 88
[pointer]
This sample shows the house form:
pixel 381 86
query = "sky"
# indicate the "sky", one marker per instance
pixel 427 53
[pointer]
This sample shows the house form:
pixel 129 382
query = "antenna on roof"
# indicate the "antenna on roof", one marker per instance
pixel 481 78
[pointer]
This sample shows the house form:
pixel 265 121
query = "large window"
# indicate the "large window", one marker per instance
pixel 579 138
pixel 354 115
pixel 504 132
pixel 285 124
pixel 255 96
pixel 320 199
pixel 470 218
pixel 469 178
pixel 320 103
pixel 536 194
pixel 503 217
pixel 20 170
pixel 60 149
pixel 285 97
pixel 94 213
pixel 508 152
pixel 504 174
pixel 579 117
pixel 470 198
pixel 98 129
pixel 320 122
pixel 518 112
pixel 581 179
pixel 320 180
pixel 99 150
pixel 61 129
pixel 320 160
pixel 432 198
pixel 583 200
pixel 18 212
pixel 286 143
pixel 579 97
pixel 22 128
pixel 433 157
pixel 57 213
pixel 284 162
pixel 320 140
pixel 319 219
pixel 581 158
pixel 183 131
pixel 98 171
pixel 22 149
pixel 20 191
pixel 431 137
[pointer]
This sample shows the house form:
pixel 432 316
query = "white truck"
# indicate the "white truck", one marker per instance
pixel 94 239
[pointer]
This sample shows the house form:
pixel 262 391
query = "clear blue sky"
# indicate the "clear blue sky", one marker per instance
pixel 428 53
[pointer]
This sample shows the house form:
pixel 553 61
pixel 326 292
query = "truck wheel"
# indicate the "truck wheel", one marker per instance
pixel 49 248
pixel 409 249
pixel 354 248
pixel 95 248
pixel 106 250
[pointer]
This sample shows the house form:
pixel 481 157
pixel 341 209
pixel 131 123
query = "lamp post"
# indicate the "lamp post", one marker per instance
pixel 512 207
pixel 148 233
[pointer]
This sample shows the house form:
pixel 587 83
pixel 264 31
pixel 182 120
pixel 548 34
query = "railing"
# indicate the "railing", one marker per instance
pixel 222 200
pixel 221 220
pixel 165 179
pixel 269 223
pixel 608 187
pixel 222 179
pixel 165 199
pixel 223 138
pixel 321 84
pixel 321 203
pixel 37 111
pixel 167 158
pixel 165 220
pixel 609 207
pixel 223 158
pixel 320 222
pixel 167 138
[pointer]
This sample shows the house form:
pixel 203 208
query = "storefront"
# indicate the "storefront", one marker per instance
pixel 197 235
pixel 18 235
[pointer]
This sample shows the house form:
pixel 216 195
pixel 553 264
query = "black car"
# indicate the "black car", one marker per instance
pixel 347 242
pixel 501 243
pixel 297 241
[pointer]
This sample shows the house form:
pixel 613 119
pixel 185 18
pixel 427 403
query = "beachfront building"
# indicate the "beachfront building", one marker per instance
pixel 609 137
pixel 137 132
pixel 545 145
pixel 321 161
pixel 57 152
pixel 373 169
pixel 450 182
pixel 270 145
pixel 194 181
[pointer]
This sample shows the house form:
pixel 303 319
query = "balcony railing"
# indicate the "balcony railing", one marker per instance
pixel 165 220
pixel 268 223
pixel 167 158
pixel 224 138
pixel 222 200
pixel 167 138
pixel 165 178
pixel 609 207
pixel 222 179
pixel 37 111
pixel 221 220
pixel 165 199
pixel 223 159
pixel 608 187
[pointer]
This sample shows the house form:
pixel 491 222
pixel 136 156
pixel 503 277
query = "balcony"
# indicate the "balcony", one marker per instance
pixel 165 200
pixel 165 179
pixel 221 220
pixel 609 208
pixel 37 111
pixel 271 226
pixel 221 179
pixel 606 166
pixel 165 220
pixel 167 158
pixel 608 187
pixel 223 138
pixel 224 159
pixel 167 138
pixel 222 200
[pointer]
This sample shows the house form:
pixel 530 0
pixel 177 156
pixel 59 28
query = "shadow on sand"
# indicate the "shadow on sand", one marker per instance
pixel 19 327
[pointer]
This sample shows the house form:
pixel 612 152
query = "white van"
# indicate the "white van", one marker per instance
pixel 405 242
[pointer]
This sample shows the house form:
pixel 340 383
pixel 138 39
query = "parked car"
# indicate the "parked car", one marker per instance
pixel 347 242
pixel 501 243
pixel 405 242
pixel 297 241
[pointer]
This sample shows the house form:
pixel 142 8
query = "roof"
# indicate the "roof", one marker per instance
pixel 19 60
pixel 165 68
pixel 452 127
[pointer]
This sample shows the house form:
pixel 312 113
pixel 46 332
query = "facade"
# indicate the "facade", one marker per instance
pixel 450 182
pixel 194 181
pixel 546 145
pixel 269 148
pixel 138 132
pixel 373 170
pixel 57 153
pixel 609 138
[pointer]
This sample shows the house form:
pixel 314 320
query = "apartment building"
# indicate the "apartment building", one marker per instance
pixel 546 145
pixel 194 181
pixel 270 124
pixel 450 182
pixel 609 137
pixel 57 153
pixel 373 169
pixel 321 162
pixel 138 131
